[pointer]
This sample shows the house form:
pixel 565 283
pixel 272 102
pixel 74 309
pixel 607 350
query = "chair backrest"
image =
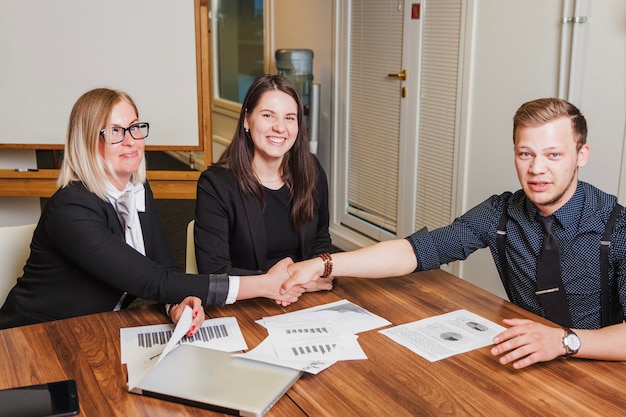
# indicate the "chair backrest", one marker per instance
pixel 14 251
pixel 190 258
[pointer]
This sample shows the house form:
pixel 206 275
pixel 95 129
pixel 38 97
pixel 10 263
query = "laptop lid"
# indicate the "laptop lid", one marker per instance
pixel 216 380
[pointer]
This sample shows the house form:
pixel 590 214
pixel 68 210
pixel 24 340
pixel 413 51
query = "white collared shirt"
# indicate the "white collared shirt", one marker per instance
pixel 127 203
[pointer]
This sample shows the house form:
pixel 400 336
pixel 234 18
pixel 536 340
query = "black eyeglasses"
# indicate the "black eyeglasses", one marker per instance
pixel 138 131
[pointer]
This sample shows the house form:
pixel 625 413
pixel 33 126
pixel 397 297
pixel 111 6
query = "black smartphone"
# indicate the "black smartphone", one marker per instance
pixel 53 399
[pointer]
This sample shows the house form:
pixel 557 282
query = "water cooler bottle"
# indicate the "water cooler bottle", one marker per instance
pixel 297 66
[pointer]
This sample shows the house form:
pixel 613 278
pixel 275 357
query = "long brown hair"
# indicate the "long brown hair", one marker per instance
pixel 298 167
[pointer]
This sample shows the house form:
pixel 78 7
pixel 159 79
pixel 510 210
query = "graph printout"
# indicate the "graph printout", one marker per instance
pixel 442 336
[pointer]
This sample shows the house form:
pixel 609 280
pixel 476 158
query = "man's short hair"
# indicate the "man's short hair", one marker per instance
pixel 543 110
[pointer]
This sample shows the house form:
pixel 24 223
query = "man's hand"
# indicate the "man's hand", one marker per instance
pixel 527 342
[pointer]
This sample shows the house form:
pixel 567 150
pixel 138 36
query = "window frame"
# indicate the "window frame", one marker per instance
pixel 221 105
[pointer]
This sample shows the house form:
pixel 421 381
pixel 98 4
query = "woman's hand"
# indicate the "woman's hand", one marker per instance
pixel 197 308
pixel 304 274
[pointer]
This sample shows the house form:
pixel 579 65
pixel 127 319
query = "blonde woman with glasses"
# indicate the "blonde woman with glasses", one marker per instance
pixel 100 242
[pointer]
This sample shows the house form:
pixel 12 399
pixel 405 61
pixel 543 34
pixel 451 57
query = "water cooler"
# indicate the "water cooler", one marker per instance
pixel 297 66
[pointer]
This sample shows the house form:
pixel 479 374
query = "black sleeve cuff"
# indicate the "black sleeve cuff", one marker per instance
pixel 218 290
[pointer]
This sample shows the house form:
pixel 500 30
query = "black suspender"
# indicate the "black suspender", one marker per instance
pixel 605 244
pixel 500 240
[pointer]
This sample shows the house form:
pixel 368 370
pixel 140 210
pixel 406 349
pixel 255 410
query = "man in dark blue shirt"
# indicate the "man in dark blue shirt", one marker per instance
pixel 549 137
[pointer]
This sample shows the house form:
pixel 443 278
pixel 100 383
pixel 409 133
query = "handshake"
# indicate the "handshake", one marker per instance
pixel 287 281
pixel 284 283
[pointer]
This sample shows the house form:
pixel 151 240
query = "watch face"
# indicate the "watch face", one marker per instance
pixel 572 342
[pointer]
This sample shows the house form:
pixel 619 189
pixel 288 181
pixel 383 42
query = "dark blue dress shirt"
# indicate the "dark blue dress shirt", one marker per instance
pixel 578 227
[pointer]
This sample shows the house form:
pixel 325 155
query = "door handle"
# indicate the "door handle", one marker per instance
pixel 402 75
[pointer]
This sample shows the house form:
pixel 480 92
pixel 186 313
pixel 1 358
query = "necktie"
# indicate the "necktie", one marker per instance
pixel 549 282
pixel 127 205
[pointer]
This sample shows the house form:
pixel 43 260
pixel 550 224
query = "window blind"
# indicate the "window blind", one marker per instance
pixel 374 101
pixel 436 154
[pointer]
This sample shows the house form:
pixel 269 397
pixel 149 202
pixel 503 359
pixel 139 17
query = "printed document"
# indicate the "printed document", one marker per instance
pixel 313 339
pixel 354 318
pixel 442 336
pixel 143 347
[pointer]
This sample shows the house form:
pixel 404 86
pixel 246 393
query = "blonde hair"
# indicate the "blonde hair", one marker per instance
pixel 543 110
pixel 82 160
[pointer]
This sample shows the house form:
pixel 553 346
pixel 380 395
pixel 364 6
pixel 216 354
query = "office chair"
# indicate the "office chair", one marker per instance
pixel 190 257
pixel 14 250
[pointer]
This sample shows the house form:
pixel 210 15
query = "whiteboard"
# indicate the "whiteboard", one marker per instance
pixel 53 51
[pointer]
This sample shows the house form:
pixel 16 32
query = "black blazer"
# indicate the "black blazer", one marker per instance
pixel 230 230
pixel 80 264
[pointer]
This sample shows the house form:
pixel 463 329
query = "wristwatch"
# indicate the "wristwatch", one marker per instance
pixel 571 341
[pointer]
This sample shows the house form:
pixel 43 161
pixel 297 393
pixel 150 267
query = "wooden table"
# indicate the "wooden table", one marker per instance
pixel 393 381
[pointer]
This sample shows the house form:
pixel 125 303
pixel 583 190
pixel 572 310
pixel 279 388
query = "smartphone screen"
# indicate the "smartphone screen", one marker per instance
pixel 54 399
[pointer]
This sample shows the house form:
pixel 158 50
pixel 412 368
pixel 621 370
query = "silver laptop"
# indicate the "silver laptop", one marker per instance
pixel 217 381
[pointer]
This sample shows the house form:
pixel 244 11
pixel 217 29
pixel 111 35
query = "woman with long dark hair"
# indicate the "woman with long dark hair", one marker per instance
pixel 267 196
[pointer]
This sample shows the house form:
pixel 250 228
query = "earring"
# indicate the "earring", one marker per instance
pixel 246 130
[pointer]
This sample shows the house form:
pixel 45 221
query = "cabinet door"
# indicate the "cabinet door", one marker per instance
pixel 598 88
pixel 512 56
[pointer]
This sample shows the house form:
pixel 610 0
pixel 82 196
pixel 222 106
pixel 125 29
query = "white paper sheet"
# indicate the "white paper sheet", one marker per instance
pixel 143 347
pixel 353 318
pixel 442 336
pixel 313 339
pixel 264 352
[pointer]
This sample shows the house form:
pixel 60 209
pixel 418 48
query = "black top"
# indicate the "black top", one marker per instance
pixel 277 215
pixel 230 231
